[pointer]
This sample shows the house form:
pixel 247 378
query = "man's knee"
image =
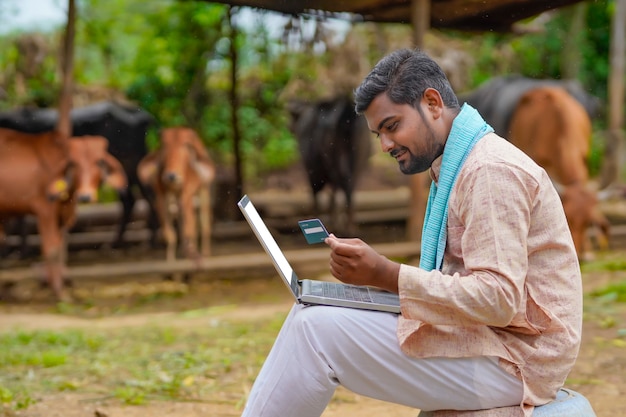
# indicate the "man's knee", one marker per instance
pixel 324 327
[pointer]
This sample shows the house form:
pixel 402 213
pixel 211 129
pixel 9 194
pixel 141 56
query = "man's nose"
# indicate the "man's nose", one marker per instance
pixel 386 144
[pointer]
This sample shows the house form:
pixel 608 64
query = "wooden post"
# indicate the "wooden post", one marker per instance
pixel 234 101
pixel 420 21
pixel 614 153
pixel 64 125
pixel 616 75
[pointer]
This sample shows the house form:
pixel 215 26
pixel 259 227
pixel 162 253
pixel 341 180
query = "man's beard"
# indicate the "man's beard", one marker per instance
pixel 415 164
pixel 420 163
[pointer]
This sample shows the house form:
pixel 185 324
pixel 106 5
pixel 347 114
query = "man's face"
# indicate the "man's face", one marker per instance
pixel 405 133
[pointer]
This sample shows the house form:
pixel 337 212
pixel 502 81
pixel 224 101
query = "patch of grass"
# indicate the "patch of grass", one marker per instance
pixel 604 265
pixel 135 365
pixel 615 292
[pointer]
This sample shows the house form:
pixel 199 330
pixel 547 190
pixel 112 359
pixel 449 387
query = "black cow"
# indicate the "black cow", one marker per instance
pixel 124 126
pixel 497 98
pixel 335 145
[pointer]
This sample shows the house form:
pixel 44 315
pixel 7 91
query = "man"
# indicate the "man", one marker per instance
pixel 492 316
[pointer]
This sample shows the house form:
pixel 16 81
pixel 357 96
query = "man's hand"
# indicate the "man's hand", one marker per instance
pixel 354 262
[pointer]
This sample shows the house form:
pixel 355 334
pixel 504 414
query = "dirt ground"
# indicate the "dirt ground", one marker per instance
pixel 599 374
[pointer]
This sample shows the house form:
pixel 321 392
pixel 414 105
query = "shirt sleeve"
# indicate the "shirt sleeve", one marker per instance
pixel 488 226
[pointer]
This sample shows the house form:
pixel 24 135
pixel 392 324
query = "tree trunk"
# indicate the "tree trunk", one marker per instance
pixel 64 125
pixel 614 152
pixel 234 102
pixel 571 57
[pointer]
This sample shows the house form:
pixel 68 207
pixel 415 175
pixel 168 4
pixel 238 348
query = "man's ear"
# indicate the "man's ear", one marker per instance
pixel 433 102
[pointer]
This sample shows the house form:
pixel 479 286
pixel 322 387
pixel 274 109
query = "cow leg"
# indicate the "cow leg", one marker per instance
pixel 64 256
pixel 189 231
pixel 4 248
pixel 52 251
pixel 336 214
pixel 206 221
pixel 162 205
pixel 350 220
pixel 127 199
pixel 316 204
pixel 5 289
pixel 332 206
pixel 153 222
pixel 169 231
pixel 22 225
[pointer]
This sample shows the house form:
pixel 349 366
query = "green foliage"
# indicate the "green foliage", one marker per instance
pixel 107 39
pixel 28 83
pixel 540 54
pixel 490 60
pixel 543 54
pixel 596 52
pixel 173 59
pixel 170 64
pixel 596 154
pixel 184 79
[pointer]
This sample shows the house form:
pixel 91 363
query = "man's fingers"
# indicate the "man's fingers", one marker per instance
pixel 341 246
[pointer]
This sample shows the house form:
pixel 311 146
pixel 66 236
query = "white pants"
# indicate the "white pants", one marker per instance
pixel 320 348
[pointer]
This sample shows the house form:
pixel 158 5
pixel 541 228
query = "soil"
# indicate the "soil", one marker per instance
pixel 599 374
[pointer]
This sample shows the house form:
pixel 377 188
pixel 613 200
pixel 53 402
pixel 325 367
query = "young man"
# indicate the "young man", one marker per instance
pixel 492 316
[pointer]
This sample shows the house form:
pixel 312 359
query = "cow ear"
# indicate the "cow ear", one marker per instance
pixel 205 170
pixel 61 187
pixel 199 148
pixel 148 168
pixel 115 175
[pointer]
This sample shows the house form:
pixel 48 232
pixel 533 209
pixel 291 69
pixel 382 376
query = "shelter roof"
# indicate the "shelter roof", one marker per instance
pixel 469 15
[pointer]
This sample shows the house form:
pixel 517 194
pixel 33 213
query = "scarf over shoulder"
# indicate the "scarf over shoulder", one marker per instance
pixel 467 129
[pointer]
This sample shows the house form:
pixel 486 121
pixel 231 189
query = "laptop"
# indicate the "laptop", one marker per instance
pixel 315 292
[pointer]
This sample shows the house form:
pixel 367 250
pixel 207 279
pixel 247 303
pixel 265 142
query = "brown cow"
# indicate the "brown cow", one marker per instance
pixel 180 171
pixel 555 130
pixel 45 175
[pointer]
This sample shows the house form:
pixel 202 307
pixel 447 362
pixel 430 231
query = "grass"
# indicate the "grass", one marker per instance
pixel 614 291
pixel 196 362
pixel 135 365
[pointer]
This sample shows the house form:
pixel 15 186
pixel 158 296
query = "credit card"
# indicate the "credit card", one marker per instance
pixel 313 230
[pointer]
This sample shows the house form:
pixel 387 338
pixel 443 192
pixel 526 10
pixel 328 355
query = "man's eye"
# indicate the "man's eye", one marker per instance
pixel 392 126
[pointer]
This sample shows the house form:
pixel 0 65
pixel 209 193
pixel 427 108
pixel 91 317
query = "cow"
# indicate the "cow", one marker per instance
pixel 180 171
pixel 124 126
pixel 47 175
pixel 554 129
pixel 335 145
pixel 496 99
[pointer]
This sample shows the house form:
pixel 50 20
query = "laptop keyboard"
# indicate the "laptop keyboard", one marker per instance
pixel 346 292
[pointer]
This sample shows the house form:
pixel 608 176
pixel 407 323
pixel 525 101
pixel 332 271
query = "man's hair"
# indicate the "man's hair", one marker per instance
pixel 404 75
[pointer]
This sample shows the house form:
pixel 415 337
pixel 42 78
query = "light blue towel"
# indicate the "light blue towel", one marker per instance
pixel 468 127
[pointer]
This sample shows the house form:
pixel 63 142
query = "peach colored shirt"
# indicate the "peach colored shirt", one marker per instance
pixel 510 285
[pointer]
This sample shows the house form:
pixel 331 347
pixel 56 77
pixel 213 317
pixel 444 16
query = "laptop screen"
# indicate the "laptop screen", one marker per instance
pixel 268 242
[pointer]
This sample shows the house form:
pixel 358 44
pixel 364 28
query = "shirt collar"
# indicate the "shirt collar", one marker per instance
pixel 435 167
